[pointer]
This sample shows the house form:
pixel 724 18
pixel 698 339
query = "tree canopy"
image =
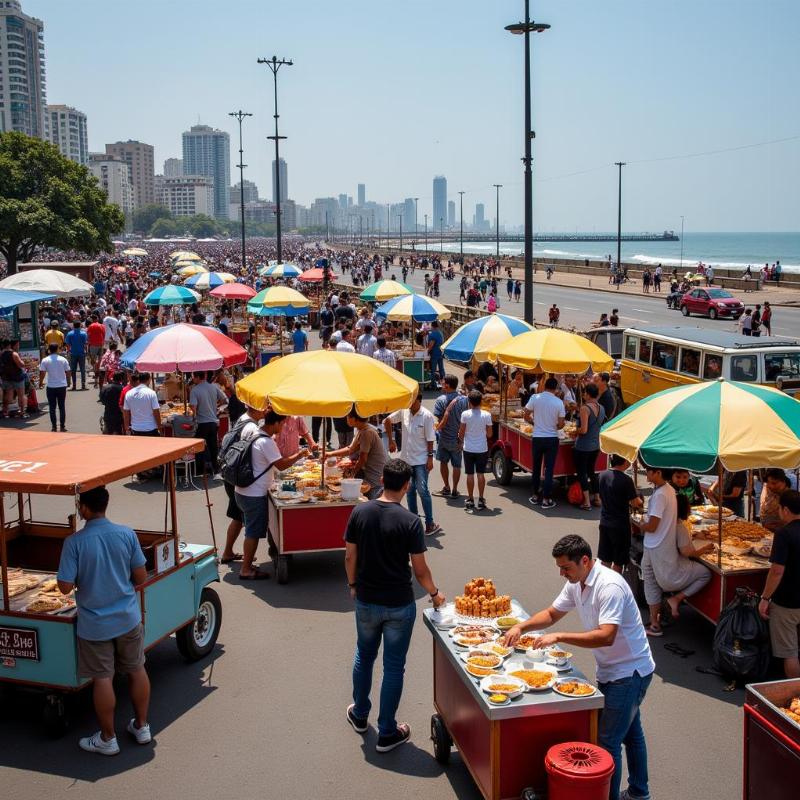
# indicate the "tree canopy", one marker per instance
pixel 145 217
pixel 46 200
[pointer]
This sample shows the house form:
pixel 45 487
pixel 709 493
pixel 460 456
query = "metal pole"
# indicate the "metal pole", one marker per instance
pixel 620 165
pixel 497 186
pixel 461 198
pixel 275 64
pixel 240 115
pixel 528 305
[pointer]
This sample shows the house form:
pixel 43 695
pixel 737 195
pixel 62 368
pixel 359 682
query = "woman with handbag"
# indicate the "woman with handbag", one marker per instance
pixel 587 446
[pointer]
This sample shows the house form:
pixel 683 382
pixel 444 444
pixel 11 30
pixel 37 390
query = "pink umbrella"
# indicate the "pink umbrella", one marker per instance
pixel 316 275
pixel 233 291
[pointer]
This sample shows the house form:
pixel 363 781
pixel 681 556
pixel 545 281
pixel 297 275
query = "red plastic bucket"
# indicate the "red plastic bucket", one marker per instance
pixel 578 771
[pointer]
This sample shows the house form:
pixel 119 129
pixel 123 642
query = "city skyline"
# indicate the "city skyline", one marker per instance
pixel 590 107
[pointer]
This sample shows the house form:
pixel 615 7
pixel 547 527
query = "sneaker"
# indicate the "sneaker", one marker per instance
pixel 455 493
pixel 400 736
pixel 548 503
pixel 481 504
pixel 469 504
pixel 651 631
pixel 625 794
pixel 534 500
pixel 96 744
pixel 432 529
pixel 53 430
pixel 443 492
pixel 142 735
pixel 359 725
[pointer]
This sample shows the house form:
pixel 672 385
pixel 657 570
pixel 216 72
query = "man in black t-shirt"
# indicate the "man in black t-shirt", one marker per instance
pixel 381 537
pixel 780 600
pixel 617 496
pixel 112 413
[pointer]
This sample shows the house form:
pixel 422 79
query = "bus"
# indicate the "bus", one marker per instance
pixel 660 358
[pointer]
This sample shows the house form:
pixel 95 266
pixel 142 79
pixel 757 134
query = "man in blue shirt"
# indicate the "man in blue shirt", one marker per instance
pixel 299 338
pixel 104 563
pixel 447 409
pixel 435 342
pixel 76 341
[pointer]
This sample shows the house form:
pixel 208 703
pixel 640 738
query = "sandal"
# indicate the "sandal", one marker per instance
pixel 585 508
pixel 258 575
pixel 236 557
pixel 651 631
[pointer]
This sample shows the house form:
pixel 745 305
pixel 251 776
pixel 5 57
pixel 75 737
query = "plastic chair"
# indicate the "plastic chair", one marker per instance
pixel 184 427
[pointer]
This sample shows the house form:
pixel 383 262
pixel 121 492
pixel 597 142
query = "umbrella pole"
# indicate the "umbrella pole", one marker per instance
pixel 324 439
pixel 720 477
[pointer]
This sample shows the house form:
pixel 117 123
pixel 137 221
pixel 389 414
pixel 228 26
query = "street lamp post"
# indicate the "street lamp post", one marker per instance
pixel 239 116
pixel 526 28
pixel 461 199
pixel 681 242
pixel 274 65
pixel 498 187
pixel 619 165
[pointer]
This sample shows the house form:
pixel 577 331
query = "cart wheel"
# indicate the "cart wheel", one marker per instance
pixel 442 743
pixel 501 468
pixel 198 638
pixel 282 569
pixel 54 715
pixel 531 794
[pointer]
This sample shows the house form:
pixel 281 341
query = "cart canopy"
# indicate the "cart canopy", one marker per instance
pixel 66 463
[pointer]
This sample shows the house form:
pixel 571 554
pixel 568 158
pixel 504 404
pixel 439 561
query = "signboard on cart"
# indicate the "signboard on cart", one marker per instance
pixel 19 643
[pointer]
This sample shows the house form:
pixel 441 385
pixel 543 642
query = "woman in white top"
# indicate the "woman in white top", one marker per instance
pixel 474 433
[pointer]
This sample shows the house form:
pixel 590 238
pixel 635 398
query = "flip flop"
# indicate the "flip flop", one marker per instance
pixel 236 557
pixel 256 576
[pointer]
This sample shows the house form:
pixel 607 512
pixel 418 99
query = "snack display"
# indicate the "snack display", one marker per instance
pixel 711 512
pixel 485 660
pixel 535 678
pixel 480 599
pixel 472 639
pixel 573 688
pixel 498 699
pixel 45 603
pixel 19 582
pixel 751 532
pixel 793 712
pixel 479 672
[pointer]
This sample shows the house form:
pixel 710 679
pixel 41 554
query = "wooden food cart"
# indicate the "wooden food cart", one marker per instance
pixel 38 650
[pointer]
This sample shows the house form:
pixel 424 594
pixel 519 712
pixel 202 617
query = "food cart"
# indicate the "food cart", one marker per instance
pixel 38 648
pixel 503 747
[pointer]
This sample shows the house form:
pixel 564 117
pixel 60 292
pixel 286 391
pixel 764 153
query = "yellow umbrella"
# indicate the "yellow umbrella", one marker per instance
pixel 134 251
pixel 552 350
pixel 327 383
pixel 184 255
pixel 191 269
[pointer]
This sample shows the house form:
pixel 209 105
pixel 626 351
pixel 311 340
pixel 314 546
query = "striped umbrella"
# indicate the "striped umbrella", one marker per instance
pixel 477 338
pixel 204 281
pixel 716 423
pixel 381 291
pixel 233 291
pixel 184 255
pixel 183 347
pixel 280 271
pixel 278 301
pixel 171 296
pixel 414 307
pixel 187 270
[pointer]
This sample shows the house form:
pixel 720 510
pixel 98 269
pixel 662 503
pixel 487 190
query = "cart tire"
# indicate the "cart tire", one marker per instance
pixel 502 468
pixel 197 639
pixel 282 569
pixel 54 716
pixel 531 794
pixel 442 743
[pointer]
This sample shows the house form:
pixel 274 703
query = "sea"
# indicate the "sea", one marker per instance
pixel 728 250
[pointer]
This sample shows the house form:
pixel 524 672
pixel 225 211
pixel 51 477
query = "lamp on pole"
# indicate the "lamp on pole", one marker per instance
pixel 498 187
pixel 426 233
pixel 416 228
pixel 461 199
pixel 274 65
pixel 526 28
pixel 681 242
pixel 619 165
pixel 239 116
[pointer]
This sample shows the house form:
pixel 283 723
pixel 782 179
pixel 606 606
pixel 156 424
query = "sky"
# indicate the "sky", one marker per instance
pixel 391 94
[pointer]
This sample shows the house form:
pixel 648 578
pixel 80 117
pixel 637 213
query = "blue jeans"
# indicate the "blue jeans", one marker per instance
pixel 620 723
pixel 437 367
pixel 395 625
pixel 75 363
pixel 419 483
pixel 545 448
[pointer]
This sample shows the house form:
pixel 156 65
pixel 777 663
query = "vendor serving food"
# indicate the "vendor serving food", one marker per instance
pixel 615 633
pixel 371 455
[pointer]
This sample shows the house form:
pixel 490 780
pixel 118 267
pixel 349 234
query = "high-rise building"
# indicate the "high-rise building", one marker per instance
pixel 139 157
pixel 343 202
pixel 250 192
pixel 66 129
pixel 439 200
pixel 284 177
pixel 409 214
pixel 207 151
pixel 22 73
pixel 173 167
pixel 187 195
pixel 479 222
pixel 113 175
pixel 451 213
pixel 362 194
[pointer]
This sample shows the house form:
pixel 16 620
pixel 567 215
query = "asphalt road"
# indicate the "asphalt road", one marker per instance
pixel 264 715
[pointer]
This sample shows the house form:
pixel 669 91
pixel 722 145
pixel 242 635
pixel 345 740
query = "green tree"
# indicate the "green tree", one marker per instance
pixel 46 200
pixel 165 227
pixel 144 217
pixel 201 225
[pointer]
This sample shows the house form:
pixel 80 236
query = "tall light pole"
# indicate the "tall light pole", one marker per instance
pixel 498 187
pixel 681 242
pixel 426 233
pixel 526 28
pixel 461 199
pixel 239 116
pixel 416 228
pixel 619 165
pixel 274 65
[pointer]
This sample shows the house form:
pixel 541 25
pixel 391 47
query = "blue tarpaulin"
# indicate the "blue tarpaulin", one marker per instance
pixel 11 298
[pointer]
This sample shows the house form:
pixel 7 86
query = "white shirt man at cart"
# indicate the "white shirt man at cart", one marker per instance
pixel 547 412
pixel 474 432
pixel 141 411
pixel 616 636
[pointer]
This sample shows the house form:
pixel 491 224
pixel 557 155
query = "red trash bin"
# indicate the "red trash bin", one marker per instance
pixel 578 771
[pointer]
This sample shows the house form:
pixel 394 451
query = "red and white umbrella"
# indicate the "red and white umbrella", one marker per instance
pixel 233 291
pixel 316 275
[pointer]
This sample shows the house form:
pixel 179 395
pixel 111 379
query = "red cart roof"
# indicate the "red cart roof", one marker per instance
pixel 65 463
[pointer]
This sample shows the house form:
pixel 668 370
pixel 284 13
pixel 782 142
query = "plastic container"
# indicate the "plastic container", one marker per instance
pixel 578 771
pixel 351 488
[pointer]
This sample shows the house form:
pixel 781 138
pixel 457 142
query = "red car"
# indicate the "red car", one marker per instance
pixel 711 303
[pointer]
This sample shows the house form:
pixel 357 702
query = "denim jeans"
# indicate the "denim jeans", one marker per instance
pixel 419 483
pixel 395 626
pixel 76 363
pixel 545 448
pixel 437 368
pixel 620 723
pixel 56 398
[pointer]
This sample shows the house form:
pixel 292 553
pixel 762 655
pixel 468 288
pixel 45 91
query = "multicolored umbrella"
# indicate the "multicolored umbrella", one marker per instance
pixel 552 350
pixel 477 338
pixel 280 271
pixel 190 269
pixel 208 280
pixel 233 291
pixel 171 296
pixel 316 275
pixel 414 307
pixel 381 291
pixel 696 427
pixel 278 301
pixel 183 347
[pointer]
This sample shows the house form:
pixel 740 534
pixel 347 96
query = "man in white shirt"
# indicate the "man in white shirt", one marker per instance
pixel 474 432
pixel 367 343
pixel 384 354
pixel 141 411
pixel 346 344
pixel 547 412
pixel 419 437
pixel 56 368
pixel 661 519
pixel 616 636
pixel 111 324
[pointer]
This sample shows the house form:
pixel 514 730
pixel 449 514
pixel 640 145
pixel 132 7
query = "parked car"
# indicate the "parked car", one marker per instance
pixel 711 303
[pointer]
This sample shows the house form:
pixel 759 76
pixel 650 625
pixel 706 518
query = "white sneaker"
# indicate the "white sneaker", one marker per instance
pixel 142 735
pixel 97 744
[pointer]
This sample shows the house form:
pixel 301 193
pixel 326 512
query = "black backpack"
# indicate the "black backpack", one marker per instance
pixel 741 640
pixel 236 457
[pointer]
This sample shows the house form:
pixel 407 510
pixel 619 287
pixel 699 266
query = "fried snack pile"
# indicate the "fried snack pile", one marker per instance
pixel 480 599
pixel 793 712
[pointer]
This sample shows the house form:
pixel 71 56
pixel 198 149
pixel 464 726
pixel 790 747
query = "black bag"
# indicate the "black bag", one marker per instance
pixel 236 457
pixel 741 640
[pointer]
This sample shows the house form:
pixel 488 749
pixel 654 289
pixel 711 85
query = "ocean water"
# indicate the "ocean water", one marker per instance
pixel 730 250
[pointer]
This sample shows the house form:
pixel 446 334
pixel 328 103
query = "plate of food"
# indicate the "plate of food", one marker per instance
pixel 480 672
pixel 537 680
pixel 498 699
pixel 284 495
pixel 573 687
pixel 712 512
pixel 496 647
pixel 44 604
pixel 503 684
pixel 763 548
pixel 506 623
pixel 525 641
pixel 483 659
pixel 471 639
pixel 556 657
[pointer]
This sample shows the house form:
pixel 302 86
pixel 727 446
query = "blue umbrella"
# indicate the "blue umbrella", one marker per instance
pixel 280 271
pixel 414 307
pixel 204 280
pixel 479 337
pixel 153 274
pixel 171 296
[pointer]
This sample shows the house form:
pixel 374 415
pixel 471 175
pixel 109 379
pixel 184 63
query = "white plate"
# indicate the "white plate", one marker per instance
pixel 464 656
pixel 539 668
pixel 459 642
pixel 576 680
pixel 281 495
pixel 442 622
pixel 492 679
pixel 560 667
pixel 505 702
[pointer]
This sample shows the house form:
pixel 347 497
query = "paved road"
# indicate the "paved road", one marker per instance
pixel 264 716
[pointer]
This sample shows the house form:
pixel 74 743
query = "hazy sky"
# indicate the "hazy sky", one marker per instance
pixel 390 94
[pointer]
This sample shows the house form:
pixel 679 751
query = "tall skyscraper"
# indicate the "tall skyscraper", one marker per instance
pixel 408 214
pixel 284 176
pixel 207 151
pixel 113 175
pixel 173 167
pixel 362 194
pixel 139 157
pixel 439 200
pixel 22 73
pixel 343 202
pixel 250 192
pixel 451 213
pixel 479 223
pixel 67 131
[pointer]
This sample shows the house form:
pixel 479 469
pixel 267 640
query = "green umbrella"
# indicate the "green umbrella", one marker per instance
pixel 381 291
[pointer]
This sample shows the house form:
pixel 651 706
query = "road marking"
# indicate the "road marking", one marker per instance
pixel 570 308
pixel 642 310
